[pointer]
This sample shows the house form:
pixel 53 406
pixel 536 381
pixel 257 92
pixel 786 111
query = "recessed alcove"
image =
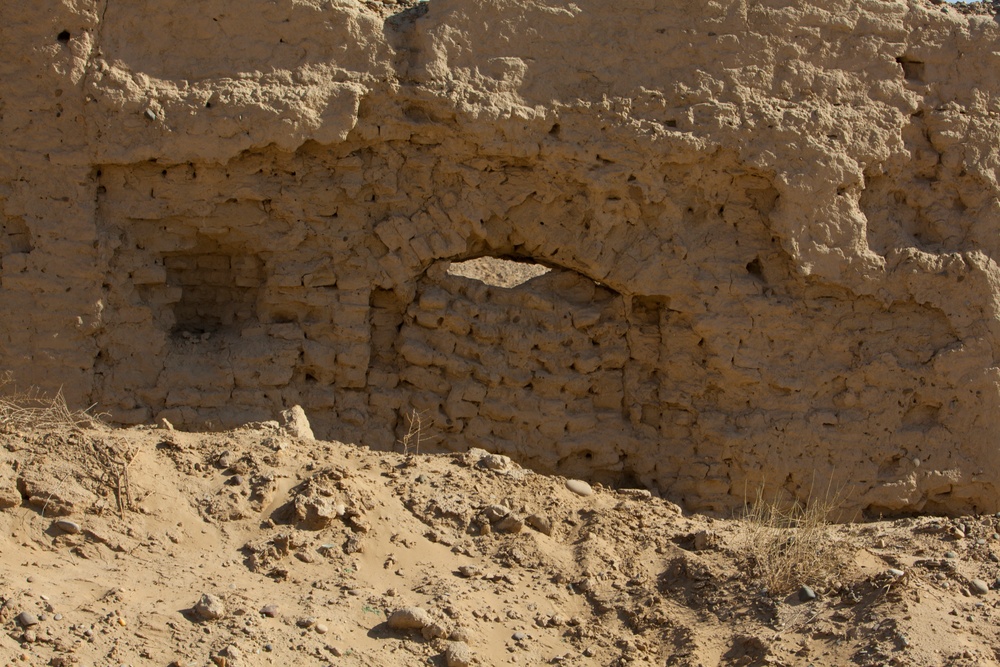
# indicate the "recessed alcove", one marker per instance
pixel 218 289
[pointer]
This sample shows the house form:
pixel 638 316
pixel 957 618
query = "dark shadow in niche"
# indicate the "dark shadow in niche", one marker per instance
pixel 15 237
pixel 913 70
pixel 218 289
pixel 399 32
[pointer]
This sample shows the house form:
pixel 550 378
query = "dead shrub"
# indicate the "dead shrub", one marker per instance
pixel 23 409
pixel 415 433
pixel 791 543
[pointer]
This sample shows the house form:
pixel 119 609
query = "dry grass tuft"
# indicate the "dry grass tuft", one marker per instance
pixel 33 409
pixel 790 543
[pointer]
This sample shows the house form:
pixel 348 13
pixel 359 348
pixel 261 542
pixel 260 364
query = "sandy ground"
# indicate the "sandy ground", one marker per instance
pixel 253 547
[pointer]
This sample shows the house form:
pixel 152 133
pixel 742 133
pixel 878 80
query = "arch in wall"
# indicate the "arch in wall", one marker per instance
pixel 543 369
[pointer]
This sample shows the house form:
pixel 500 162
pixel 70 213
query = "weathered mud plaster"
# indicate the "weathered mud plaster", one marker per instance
pixel 772 228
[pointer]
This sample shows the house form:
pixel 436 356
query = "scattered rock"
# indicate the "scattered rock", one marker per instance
pixel 269 610
pixel 434 630
pixel 469 571
pixel 950 554
pixel 494 513
pixel 322 628
pixel 806 594
pixel 509 524
pixel 67 526
pixel 225 460
pixel 979 587
pixel 409 618
pixel 297 424
pixel 540 523
pixel 636 493
pixel 461 634
pixel 519 636
pixel 458 654
pixel 316 513
pixel 27 619
pixel 209 608
pixel 495 462
pixel 705 539
pixel 579 487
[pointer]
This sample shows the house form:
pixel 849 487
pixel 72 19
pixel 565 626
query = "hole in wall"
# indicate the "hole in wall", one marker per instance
pixel 913 70
pixel 497 271
pixel 15 237
pixel 512 370
pixel 218 288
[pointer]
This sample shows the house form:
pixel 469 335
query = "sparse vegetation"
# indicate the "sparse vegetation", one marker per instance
pixel 791 543
pixel 34 409
pixel 414 433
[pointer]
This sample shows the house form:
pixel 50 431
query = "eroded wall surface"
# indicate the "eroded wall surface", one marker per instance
pixel 772 228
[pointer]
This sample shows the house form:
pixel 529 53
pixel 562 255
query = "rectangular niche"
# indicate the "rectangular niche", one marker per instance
pixel 218 289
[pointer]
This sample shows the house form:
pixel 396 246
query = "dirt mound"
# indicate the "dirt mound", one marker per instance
pixel 252 547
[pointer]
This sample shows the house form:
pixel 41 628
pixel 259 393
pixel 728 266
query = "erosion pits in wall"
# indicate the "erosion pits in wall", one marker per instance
pixel 536 370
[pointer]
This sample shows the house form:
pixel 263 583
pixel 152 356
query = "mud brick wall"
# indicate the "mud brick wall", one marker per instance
pixel 771 230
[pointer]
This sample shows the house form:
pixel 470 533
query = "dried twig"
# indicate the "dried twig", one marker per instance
pixel 414 433
pixel 115 458
pixel 31 408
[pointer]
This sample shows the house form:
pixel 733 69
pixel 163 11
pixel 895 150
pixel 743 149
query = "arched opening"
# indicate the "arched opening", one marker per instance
pixel 516 357
pixel 498 271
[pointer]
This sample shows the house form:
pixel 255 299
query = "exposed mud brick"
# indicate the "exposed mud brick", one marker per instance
pixel 784 273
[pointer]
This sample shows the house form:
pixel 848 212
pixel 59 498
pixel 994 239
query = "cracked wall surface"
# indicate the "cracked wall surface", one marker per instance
pixel 772 230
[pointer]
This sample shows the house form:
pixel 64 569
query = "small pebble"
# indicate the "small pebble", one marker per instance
pixel 269 610
pixel 409 618
pixel 950 554
pixel 322 628
pixel 979 587
pixel 468 571
pixel 67 526
pixel 458 655
pixel 806 594
pixel 27 619
pixel 540 523
pixel 519 636
pixel 579 487
pixel 209 608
